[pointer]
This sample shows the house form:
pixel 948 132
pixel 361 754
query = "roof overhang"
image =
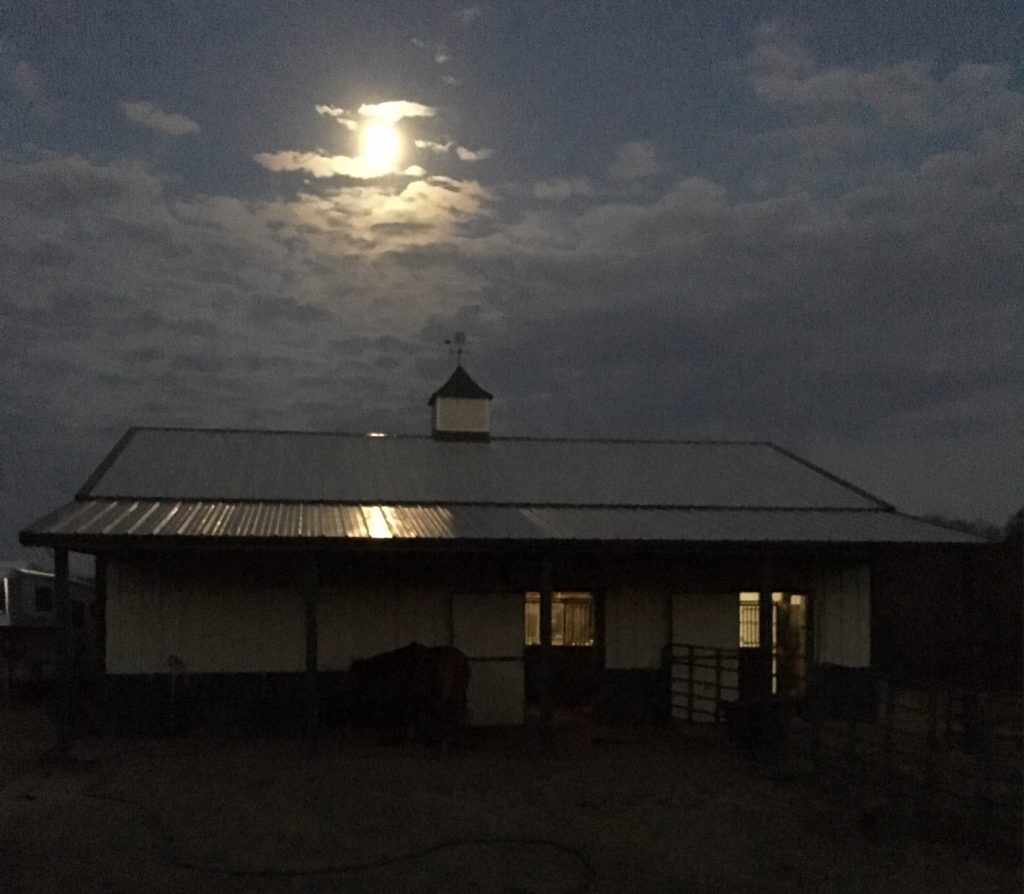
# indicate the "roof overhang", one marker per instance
pixel 96 525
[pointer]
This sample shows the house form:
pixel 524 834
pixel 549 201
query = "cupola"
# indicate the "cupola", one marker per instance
pixel 460 409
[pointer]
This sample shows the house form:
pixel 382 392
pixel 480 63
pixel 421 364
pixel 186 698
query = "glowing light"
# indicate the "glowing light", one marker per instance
pixel 380 146
pixel 377 522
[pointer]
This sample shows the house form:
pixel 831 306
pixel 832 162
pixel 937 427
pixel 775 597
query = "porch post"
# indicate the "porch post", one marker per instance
pixel 64 647
pixel 309 577
pixel 544 665
pixel 764 626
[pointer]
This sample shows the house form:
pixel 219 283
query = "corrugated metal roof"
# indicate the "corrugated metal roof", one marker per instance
pixel 307 467
pixel 226 521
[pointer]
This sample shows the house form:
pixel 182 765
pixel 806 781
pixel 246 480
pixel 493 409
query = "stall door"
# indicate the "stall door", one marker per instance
pixel 488 629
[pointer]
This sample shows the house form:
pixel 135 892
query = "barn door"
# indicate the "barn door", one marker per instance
pixel 488 628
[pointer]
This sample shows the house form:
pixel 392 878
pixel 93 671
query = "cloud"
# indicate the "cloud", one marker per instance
pixel 450 80
pixel 318 165
pixel 473 154
pixel 148 115
pixel 634 161
pixel 340 115
pixel 904 94
pixel 562 188
pixel 441 55
pixel 433 147
pixel 396 110
pixel 467 16
pixel 28 84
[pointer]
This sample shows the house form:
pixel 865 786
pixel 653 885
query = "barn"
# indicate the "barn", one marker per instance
pixel 254 565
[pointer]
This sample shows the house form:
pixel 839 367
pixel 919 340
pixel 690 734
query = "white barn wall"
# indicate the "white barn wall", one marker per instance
pixel 356 622
pixel 706 619
pixel 842 617
pixel 489 629
pixel 636 628
pixel 213 627
pixel 462 414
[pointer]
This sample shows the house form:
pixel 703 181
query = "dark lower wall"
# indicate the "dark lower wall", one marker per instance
pixel 219 703
pixel 633 696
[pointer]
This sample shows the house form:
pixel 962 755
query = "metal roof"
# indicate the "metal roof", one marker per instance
pixel 225 521
pixel 303 467
pixel 226 486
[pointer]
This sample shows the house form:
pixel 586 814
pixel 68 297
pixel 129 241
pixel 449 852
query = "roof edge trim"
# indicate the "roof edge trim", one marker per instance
pixel 84 491
pixel 889 507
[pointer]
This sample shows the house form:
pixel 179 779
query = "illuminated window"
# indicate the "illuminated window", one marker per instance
pixel 572 619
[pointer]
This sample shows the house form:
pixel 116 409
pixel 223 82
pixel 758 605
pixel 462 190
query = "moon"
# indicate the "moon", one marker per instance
pixel 380 146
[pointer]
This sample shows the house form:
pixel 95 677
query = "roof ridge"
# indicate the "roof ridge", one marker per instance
pixel 484 504
pixel 427 437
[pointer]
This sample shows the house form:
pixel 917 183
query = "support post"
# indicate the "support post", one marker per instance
pixel 309 596
pixel 970 714
pixel 65 648
pixel 544 665
pixel 689 683
pixel 764 628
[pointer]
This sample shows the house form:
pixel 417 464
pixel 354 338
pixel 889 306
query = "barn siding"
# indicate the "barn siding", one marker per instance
pixel 842 617
pixel 488 628
pixel 360 621
pixel 218 624
pixel 706 619
pixel 636 628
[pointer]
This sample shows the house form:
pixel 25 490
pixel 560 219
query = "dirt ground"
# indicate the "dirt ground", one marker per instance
pixel 603 810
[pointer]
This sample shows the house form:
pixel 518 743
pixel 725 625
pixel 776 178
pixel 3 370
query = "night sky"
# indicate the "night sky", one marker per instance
pixel 787 221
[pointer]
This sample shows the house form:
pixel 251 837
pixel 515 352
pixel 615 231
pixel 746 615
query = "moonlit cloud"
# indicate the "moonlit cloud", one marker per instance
pixel 473 154
pixel 322 165
pixel 395 110
pixel 340 115
pixel 441 55
pixel 150 116
pixel 432 146
pixel 28 84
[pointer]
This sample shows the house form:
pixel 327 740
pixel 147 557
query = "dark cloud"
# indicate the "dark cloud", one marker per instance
pixel 277 309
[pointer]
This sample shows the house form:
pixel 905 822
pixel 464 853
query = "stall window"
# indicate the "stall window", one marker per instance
pixel 572 619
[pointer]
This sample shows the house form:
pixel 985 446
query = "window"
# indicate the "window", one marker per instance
pixel 572 619
pixel 44 599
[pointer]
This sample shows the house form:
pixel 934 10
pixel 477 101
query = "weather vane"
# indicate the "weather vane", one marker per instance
pixel 456 345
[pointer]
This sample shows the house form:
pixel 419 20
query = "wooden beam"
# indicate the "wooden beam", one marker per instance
pixel 544 665
pixel 764 626
pixel 65 649
pixel 310 585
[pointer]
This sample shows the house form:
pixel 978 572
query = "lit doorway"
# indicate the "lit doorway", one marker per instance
pixel 789 640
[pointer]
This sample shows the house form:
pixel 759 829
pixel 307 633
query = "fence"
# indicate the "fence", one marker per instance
pixel 951 744
pixel 956 747
pixel 701 678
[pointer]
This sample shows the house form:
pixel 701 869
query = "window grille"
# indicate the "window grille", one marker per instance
pixel 572 619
